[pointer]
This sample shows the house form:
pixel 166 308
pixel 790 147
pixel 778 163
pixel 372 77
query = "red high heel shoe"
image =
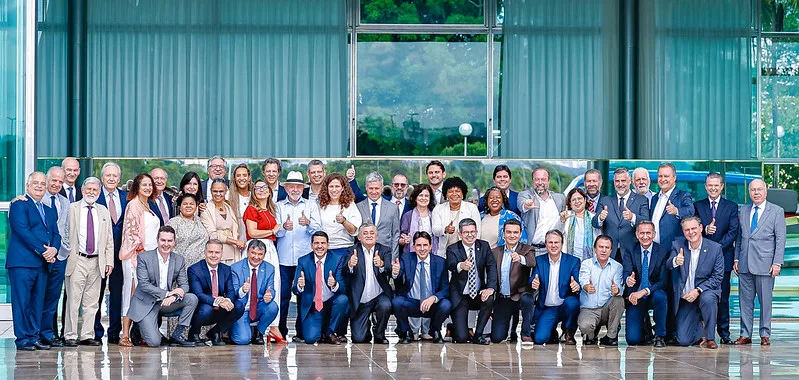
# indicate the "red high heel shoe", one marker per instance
pixel 275 338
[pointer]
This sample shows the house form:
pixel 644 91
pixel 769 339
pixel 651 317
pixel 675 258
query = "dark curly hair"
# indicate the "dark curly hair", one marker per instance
pixel 347 196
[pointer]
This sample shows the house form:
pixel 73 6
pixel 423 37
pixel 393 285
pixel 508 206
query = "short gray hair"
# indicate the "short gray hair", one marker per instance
pixel 111 164
pixel 214 242
pixel 465 222
pixel 55 169
pixel 256 244
pixel 30 177
pixel 91 180
pixel 217 157
pixel 374 177
pixel 621 170
pixel 690 218
pixel 670 166
pixel 714 175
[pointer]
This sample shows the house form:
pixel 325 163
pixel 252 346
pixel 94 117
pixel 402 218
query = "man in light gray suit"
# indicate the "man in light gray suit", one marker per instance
pixel 157 272
pixel 540 209
pixel 381 213
pixel 759 255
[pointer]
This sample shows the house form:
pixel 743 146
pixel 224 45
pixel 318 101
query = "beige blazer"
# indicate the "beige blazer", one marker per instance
pixel 104 241
pixel 210 217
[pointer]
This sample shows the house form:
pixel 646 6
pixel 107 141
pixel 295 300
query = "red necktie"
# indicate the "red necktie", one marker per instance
pixel 214 284
pixel 254 295
pixel 317 295
pixel 591 205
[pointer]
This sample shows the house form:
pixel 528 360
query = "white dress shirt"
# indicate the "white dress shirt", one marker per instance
pixel 660 208
pixel 83 227
pixel 689 283
pixel 163 271
pixel 553 294
pixel 377 209
pixel 371 288
pixel 548 217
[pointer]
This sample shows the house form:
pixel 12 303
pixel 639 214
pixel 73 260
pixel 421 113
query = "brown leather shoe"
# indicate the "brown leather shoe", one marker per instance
pixel 742 340
pixel 764 341
pixel 569 339
pixel 527 339
pixel 711 344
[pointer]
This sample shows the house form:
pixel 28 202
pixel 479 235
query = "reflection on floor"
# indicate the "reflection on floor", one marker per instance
pixel 425 360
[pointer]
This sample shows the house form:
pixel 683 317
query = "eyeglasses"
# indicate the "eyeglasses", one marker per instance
pixel 400 184
pixel 261 188
pixel 469 232
pixel 216 166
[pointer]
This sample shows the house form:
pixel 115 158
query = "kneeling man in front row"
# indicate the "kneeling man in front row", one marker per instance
pixel 697 269
pixel 162 289
pixel 600 300
pixel 555 277
pixel 254 281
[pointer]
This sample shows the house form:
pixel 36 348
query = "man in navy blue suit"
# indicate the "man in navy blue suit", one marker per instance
pixel 32 247
pixel 697 269
pixel 212 282
pixel 592 181
pixel 399 193
pixel 116 201
pixel 319 283
pixel 368 270
pixel 555 277
pixel 646 279
pixel 162 202
pixel 271 169
pixel 720 218
pixel 617 216
pixel 667 207
pixel 254 284
pixel 502 180
pixel 422 288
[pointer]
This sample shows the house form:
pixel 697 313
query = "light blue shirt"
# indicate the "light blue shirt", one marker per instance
pixel 602 278
pixel 416 291
pixel 291 245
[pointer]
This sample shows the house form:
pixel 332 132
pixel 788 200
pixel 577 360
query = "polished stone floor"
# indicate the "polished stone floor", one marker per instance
pixel 419 360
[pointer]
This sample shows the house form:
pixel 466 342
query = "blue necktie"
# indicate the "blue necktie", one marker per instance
pixel 645 271
pixel 52 203
pixel 40 207
pixel 423 292
pixel 754 221
pixel 71 196
pixel 374 212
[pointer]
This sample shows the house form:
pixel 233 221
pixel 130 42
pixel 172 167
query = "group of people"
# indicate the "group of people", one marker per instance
pixel 224 256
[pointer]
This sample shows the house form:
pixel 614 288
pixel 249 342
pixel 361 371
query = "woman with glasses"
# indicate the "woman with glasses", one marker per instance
pixel 494 217
pixel 261 224
pixel 575 222
pixel 221 222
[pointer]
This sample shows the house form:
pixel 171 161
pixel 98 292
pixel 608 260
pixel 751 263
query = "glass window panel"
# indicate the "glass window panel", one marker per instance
pixel 779 98
pixel 4 236
pixel 497 93
pixel 500 12
pixel 414 91
pixel 12 98
pixel 779 15
pixel 422 12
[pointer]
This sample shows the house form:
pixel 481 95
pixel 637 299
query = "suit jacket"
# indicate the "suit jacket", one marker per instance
pixel 29 234
pixel 240 271
pixel 709 268
pixel 204 185
pixel 486 268
pixel 513 198
pixel 726 226
pixel 117 227
pixel 307 265
pixel 439 282
pixel 658 275
pixel 519 274
pixel 388 228
pixel 77 194
pixel 63 222
pixel 157 211
pixel 670 224
pixel 281 193
pixel 103 241
pixel 757 250
pixel 569 268
pixel 530 217
pixel 357 277
pixel 615 226
pixel 406 205
pixel 200 282
pixel 148 294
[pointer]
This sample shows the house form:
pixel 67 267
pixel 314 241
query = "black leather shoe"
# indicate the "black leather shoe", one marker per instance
pixel 589 342
pixel 726 340
pixel 659 343
pixel 258 339
pixel 672 342
pixel 114 340
pixel 480 339
pixel 215 338
pixel 177 341
pixel 41 345
pixel 70 343
pixel 607 341
pixel 437 338
pixel 298 339
pixel 406 340
pixel 381 340
pixel 89 342
pixel 513 338
pixel 57 342
pixel 29 347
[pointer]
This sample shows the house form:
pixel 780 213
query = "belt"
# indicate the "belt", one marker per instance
pixel 500 295
pixel 87 256
pixel 539 245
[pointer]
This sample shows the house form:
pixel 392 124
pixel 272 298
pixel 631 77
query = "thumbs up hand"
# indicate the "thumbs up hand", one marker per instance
pixel 466 265
pixel 671 209
pixel 589 287
pixel 304 221
pixel 353 259
pixel 246 287
pixel 515 258
pixel 378 261
pixel 301 280
pixel 711 228
pixel 614 289
pixel 351 173
pixel 575 287
pixel 340 217
pixel 331 281
pixel 395 267
pixel 603 214
pixel 268 294
pixel 680 259
pixel 627 214
pixel 536 283
pixel 631 279
pixel 450 229
pixel 529 204
pixel 288 225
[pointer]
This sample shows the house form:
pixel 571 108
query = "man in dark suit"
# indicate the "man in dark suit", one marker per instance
pixel 162 202
pixel 212 283
pixel 473 282
pixel 381 213
pixel 422 289
pixel 271 169
pixel 254 284
pixel 368 270
pixel 71 189
pixel 592 181
pixel 667 207
pixel 319 283
pixel 116 201
pixel 697 269
pixel 720 218
pixel 555 278
pixel 502 180
pixel 157 295
pixel 646 278
pixel 399 193
pixel 317 174
pixel 514 261
pixel 217 169
pixel 617 216
pixel 32 247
